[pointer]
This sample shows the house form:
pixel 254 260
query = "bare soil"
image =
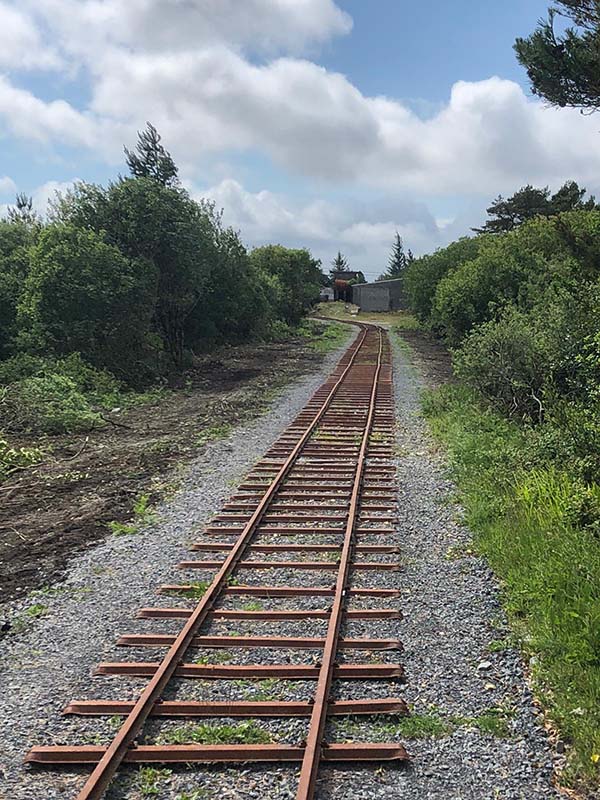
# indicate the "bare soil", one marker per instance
pixel 64 504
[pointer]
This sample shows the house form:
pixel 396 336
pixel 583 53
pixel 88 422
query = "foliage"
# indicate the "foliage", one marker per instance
pixel 398 261
pixel 538 524
pixel 15 241
pixel 150 159
pixel 564 68
pixel 424 274
pixel 15 459
pixel 46 395
pixel 293 278
pixel 82 295
pixel 48 404
pixel 339 263
pixel 529 202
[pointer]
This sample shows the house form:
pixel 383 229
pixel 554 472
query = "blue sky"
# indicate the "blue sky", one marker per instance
pixel 311 122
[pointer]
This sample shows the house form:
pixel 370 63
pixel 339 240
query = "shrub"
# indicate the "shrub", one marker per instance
pixel 50 403
pixel 423 274
pixel 506 362
pixel 82 295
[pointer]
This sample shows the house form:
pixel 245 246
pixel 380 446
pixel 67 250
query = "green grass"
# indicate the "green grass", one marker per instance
pixel 524 512
pixel 150 780
pixel 261 690
pixel 247 732
pixel 323 337
pixel 142 515
pixel 196 589
pixel 213 434
pixel 394 319
pixel 432 725
pixel 216 657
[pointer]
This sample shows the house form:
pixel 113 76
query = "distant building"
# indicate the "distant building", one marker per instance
pixel 342 288
pixel 379 296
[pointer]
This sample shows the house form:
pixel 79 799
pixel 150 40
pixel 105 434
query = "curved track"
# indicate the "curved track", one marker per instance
pixel 330 475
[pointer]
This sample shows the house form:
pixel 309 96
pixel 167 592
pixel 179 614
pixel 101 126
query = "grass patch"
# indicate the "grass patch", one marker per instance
pixel 247 732
pixel 266 689
pixel 142 516
pixel 526 514
pixel 217 657
pixel 402 320
pixel 323 337
pixel 252 605
pixel 22 621
pixel 150 781
pixel 213 434
pixel 195 589
pixel 432 725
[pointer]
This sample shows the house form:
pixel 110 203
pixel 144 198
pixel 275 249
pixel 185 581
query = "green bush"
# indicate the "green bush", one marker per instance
pixel 423 274
pixel 82 295
pixel 50 403
pixel 507 363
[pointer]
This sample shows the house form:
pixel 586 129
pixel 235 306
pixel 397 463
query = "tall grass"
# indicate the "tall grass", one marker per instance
pixel 538 527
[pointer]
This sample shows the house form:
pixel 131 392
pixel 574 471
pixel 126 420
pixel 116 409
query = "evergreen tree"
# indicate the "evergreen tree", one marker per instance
pixel 529 202
pixel 339 263
pixel 22 211
pixel 150 159
pixel 397 259
pixel 564 68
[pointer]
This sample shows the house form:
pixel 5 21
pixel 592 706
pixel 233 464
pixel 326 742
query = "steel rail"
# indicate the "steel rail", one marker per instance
pixel 314 740
pixel 103 773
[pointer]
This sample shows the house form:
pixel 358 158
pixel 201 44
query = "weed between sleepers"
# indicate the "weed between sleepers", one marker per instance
pixel 247 732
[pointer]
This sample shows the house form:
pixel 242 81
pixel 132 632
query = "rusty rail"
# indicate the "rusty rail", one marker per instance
pixel 323 476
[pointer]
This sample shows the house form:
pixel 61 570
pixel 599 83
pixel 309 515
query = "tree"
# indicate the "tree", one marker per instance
pixel 151 159
pixel 339 263
pixel 564 68
pixel 163 226
pixel 397 260
pixel 83 295
pixel 22 211
pixel 530 202
pixel 508 213
pixel 16 239
pixel 297 279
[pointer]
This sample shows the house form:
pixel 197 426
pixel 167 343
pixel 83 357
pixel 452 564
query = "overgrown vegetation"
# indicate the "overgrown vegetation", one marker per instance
pixel 121 286
pixel 538 523
pixel 519 306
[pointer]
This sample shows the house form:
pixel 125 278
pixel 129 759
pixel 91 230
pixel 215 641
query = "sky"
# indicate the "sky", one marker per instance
pixel 327 124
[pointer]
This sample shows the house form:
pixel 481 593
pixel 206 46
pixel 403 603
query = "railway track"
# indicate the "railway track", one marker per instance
pixel 321 501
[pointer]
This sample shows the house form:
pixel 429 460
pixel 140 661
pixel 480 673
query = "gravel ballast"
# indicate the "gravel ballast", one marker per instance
pixel 451 616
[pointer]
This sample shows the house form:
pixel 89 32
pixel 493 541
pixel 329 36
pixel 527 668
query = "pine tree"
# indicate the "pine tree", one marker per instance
pixel 397 260
pixel 150 159
pixel 22 211
pixel 339 263
pixel 564 67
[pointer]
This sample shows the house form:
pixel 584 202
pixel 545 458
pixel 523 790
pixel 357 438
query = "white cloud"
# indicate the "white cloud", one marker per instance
pixel 86 27
pixel 224 76
pixel 324 227
pixel 21 44
pixel 44 194
pixel 7 186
